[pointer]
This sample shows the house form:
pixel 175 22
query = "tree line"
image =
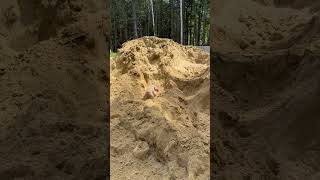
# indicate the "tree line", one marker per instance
pixel 131 19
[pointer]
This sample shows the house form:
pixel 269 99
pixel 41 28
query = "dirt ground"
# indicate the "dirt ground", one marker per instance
pixel 166 137
pixel 53 90
pixel 265 90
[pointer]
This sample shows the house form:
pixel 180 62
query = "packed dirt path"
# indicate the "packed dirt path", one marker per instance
pixel 265 90
pixel 165 137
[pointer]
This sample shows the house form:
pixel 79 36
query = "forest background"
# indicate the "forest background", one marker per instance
pixel 131 19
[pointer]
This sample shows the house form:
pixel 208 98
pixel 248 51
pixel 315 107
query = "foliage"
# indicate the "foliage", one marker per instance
pixel 113 54
pixel 167 20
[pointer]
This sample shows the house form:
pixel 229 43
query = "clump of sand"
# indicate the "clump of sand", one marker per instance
pixel 167 136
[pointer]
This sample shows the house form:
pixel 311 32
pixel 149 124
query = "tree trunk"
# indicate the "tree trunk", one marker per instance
pixel 148 21
pixel 134 18
pixel 186 23
pixel 195 25
pixel 199 24
pixel 204 29
pixel 126 27
pixel 192 23
pixel 181 22
pixel 171 19
pixel 152 14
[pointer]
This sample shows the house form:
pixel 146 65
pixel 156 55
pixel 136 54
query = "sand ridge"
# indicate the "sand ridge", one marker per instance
pixel 168 136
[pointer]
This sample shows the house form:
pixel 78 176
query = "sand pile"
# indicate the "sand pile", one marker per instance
pixel 53 91
pixel 166 137
pixel 266 96
pixel 249 26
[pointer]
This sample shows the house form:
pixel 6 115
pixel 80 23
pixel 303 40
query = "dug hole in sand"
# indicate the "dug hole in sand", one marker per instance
pixel 165 137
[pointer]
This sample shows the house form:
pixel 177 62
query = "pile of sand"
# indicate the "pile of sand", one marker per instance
pixel 265 97
pixel 248 26
pixel 53 90
pixel 166 137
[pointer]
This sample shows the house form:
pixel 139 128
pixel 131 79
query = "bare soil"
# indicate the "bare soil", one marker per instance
pixel 53 90
pixel 166 137
pixel 265 91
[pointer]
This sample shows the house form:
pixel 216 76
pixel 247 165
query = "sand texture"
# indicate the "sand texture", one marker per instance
pixel 265 91
pixel 166 137
pixel 53 87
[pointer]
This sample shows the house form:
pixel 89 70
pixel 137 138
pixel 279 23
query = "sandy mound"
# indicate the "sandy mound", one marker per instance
pixel 248 26
pixel 168 136
pixel 266 96
pixel 53 94
pixel 24 23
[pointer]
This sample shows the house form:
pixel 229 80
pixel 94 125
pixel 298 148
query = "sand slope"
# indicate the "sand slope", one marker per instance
pixel 53 91
pixel 166 137
pixel 266 92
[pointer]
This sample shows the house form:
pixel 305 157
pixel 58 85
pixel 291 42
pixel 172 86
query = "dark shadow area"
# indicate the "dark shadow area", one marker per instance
pixel 265 90
pixel 54 89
